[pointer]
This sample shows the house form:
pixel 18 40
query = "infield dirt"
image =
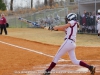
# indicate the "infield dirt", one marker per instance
pixel 15 58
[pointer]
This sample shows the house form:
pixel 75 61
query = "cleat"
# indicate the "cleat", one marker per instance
pixel 92 70
pixel 46 73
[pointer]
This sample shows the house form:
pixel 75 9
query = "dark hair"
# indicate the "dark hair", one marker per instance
pixel 66 20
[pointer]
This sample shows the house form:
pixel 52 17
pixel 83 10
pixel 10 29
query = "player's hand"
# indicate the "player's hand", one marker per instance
pixel 54 28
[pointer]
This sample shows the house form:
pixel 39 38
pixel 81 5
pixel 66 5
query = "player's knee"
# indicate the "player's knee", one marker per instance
pixel 76 62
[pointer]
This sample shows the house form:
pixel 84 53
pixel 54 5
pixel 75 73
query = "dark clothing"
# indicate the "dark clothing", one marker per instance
pixel 84 20
pixel 3 25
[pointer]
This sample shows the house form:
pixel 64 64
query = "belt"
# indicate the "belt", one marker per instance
pixel 70 39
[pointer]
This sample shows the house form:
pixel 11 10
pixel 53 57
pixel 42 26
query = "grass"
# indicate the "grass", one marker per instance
pixel 52 37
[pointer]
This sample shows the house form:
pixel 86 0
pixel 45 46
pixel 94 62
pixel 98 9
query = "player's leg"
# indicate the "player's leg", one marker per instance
pixel 1 29
pixel 99 32
pixel 66 46
pixel 98 29
pixel 79 62
pixel 5 30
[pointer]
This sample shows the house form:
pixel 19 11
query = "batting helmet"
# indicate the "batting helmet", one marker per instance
pixel 71 16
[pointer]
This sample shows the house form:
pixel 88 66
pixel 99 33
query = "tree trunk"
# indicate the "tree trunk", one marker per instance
pixel 11 5
pixel 51 3
pixel 45 2
pixel 31 4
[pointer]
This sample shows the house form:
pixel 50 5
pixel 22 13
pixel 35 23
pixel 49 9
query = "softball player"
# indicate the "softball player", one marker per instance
pixel 98 22
pixel 69 45
pixel 3 24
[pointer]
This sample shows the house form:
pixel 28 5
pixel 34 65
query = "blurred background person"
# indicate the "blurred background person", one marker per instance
pixel 3 24
pixel 98 22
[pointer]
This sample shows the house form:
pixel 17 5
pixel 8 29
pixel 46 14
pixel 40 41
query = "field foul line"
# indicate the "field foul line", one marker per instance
pixel 31 50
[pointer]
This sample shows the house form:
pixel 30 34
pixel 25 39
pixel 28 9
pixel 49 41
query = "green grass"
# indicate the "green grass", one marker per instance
pixel 88 40
pixel 52 37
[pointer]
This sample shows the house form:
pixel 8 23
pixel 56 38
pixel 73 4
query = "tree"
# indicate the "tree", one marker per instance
pixel 61 2
pixel 51 3
pixel 71 0
pixel 38 3
pixel 11 5
pixel 45 2
pixel 31 4
pixel 2 5
pixel 6 2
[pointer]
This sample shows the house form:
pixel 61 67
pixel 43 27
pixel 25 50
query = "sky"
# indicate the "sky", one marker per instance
pixel 23 3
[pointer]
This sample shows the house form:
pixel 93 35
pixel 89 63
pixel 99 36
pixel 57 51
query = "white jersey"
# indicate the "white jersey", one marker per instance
pixel 98 23
pixel 98 26
pixel 97 17
pixel 71 31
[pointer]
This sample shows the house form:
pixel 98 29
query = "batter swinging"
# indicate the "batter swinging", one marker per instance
pixel 69 45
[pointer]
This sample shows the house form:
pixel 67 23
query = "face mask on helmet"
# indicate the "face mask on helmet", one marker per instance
pixel 71 16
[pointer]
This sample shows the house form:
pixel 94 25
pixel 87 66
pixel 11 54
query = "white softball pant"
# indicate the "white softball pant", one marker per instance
pixel 69 47
pixel 98 28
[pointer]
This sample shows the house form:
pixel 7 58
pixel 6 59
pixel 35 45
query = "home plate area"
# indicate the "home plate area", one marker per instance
pixel 63 69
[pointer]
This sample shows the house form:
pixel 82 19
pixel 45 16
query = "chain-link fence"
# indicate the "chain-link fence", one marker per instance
pixel 14 21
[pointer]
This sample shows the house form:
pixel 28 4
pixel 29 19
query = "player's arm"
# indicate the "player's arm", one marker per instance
pixel 61 28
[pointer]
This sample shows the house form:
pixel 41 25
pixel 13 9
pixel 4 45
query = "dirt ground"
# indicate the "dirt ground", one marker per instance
pixel 24 57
